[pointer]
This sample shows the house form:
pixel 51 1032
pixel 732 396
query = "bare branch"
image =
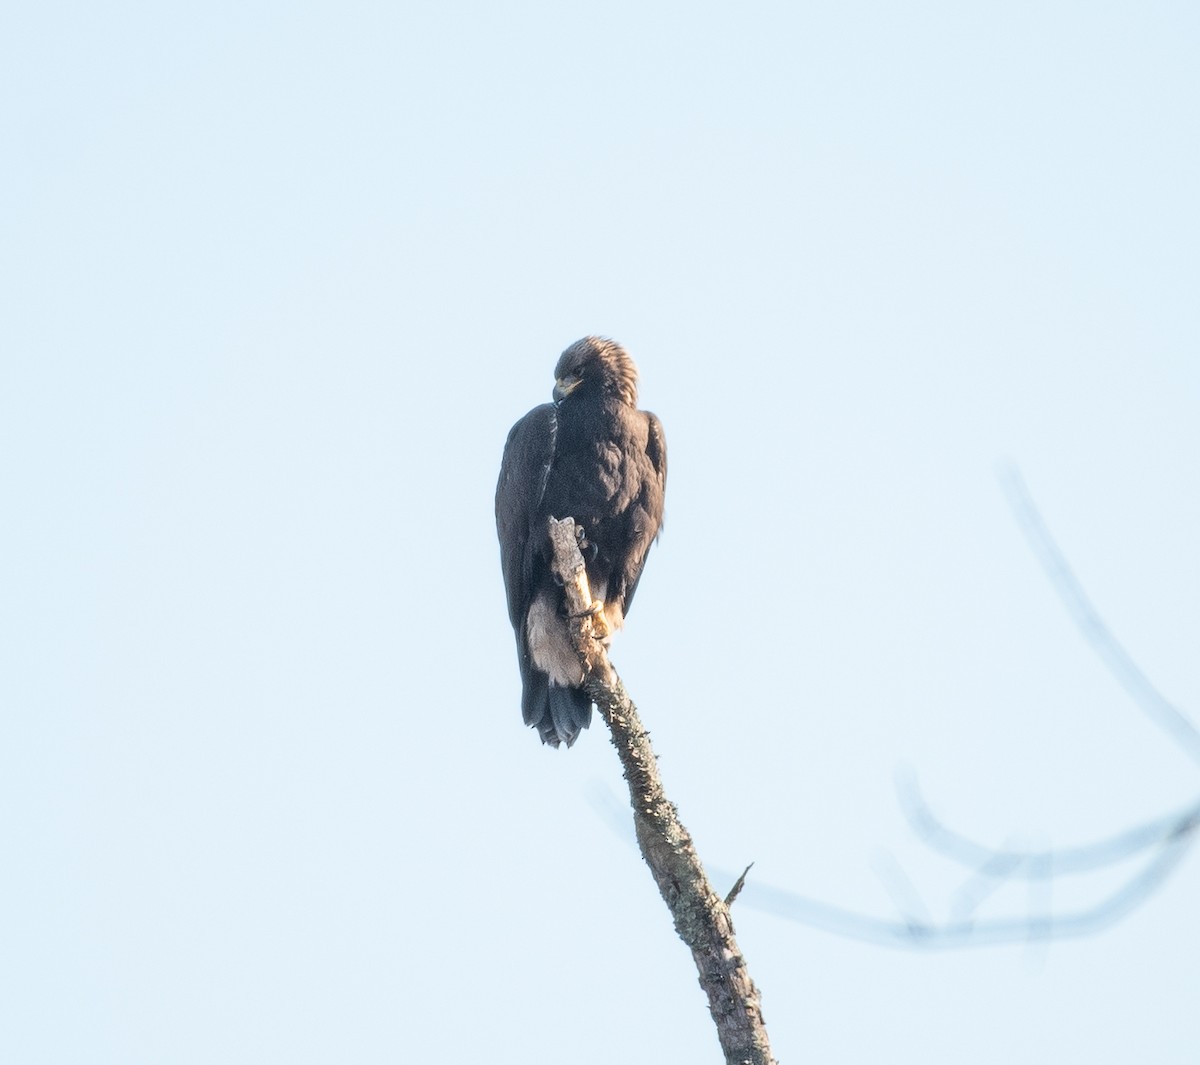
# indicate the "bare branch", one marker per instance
pixel 959 933
pixel 701 917
pixel 1092 627
pixel 905 897
pixel 918 930
pixel 1007 863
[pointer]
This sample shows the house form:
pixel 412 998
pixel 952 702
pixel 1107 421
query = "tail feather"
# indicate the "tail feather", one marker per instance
pixel 570 714
pixel 558 713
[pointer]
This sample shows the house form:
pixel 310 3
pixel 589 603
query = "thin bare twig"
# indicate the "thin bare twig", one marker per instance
pixel 738 884
pixel 1007 863
pixel 1108 649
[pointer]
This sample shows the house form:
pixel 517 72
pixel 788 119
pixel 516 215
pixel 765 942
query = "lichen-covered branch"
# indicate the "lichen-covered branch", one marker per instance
pixel 701 916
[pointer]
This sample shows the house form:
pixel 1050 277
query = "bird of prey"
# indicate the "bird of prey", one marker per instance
pixel 593 456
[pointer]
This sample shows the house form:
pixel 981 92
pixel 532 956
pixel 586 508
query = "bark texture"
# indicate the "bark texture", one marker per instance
pixel 701 915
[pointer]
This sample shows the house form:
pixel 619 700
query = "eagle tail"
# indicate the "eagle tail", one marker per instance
pixel 559 713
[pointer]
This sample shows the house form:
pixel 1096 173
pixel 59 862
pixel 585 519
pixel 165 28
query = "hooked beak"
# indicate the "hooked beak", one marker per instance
pixel 564 386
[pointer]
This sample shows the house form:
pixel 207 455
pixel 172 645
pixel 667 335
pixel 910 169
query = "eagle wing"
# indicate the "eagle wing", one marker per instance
pixel 647 518
pixel 528 454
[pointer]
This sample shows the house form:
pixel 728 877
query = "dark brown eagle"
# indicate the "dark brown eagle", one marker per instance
pixel 593 456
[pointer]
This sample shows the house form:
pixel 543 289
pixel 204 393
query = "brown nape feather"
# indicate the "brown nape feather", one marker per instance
pixel 616 367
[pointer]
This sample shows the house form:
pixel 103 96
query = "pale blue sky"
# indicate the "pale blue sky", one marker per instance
pixel 278 279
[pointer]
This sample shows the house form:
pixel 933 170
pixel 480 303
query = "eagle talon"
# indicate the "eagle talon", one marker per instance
pixel 589 550
pixel 600 629
pixel 600 626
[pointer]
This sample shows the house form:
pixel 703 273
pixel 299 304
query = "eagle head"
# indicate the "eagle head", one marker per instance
pixel 598 366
